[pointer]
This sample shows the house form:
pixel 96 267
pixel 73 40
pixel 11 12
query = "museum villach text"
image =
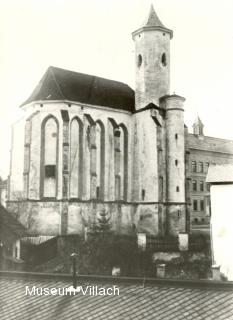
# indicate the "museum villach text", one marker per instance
pixel 83 290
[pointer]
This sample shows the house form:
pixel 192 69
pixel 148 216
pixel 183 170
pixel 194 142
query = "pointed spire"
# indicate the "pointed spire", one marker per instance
pixel 153 23
pixel 153 20
pixel 198 126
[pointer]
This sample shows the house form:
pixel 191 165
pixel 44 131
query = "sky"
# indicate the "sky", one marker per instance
pixel 94 37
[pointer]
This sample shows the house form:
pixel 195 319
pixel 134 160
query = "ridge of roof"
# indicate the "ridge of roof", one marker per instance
pixel 210 137
pixel 204 283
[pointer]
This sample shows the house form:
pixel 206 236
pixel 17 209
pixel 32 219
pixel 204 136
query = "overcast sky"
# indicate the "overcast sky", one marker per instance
pixel 94 37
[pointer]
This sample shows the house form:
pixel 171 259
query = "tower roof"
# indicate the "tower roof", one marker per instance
pixel 153 19
pixel 153 23
pixel 198 122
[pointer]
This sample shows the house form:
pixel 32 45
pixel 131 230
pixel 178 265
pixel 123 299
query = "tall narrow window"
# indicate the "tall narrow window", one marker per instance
pixel 194 166
pixel 49 157
pixel 201 185
pixel 200 167
pixel 100 159
pixel 206 166
pixel 194 205
pixel 76 158
pixel 194 185
pixel 202 207
pixel 123 161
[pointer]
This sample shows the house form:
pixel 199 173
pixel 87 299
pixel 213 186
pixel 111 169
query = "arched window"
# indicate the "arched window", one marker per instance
pixel 121 162
pixel 76 158
pixel 124 160
pixel 100 159
pixel 49 157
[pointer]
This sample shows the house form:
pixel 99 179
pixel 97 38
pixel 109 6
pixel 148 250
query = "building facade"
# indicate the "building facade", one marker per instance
pixel 204 151
pixel 89 146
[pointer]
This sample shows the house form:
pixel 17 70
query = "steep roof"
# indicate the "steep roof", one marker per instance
pixel 153 23
pixel 212 144
pixel 60 84
pixel 170 300
pixel 153 19
pixel 10 228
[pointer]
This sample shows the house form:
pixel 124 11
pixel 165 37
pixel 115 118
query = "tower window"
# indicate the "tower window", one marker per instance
pixel 177 189
pixel 139 61
pixel 143 194
pixel 176 162
pixel 176 136
pixel 164 60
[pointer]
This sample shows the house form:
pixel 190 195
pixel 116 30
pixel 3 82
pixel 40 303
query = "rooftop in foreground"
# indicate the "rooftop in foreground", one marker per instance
pixel 138 299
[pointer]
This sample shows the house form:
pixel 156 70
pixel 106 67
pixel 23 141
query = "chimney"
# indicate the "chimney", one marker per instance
pixel 216 275
pixel 160 271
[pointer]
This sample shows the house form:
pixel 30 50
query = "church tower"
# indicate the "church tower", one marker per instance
pixel 152 54
pixel 159 164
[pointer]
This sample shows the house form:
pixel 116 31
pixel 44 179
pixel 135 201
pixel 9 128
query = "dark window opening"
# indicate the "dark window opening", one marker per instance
pixel 208 187
pixel 143 194
pixel 176 162
pixel 201 186
pixel 194 185
pixel 50 171
pixel 97 192
pixel 196 220
pixel 177 189
pixel 202 205
pixel 164 60
pixel 194 205
pixel 139 62
pixel 176 136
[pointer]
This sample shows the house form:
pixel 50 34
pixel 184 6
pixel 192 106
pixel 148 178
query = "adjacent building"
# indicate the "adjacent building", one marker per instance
pixel 221 191
pixel 204 151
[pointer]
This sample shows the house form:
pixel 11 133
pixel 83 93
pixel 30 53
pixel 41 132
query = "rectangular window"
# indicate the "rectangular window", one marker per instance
pixel 201 185
pixel 194 166
pixel 200 167
pixel 206 166
pixel 50 171
pixel 202 207
pixel 194 205
pixel 194 185
pixel 208 187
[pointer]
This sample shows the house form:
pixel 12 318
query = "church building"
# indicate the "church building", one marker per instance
pixel 89 146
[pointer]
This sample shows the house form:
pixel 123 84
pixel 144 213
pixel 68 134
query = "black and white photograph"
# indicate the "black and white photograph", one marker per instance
pixel 116 167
